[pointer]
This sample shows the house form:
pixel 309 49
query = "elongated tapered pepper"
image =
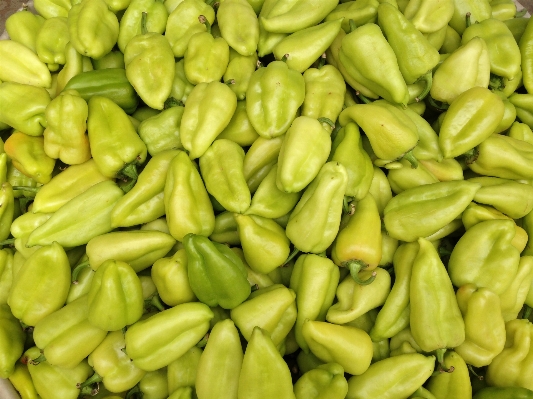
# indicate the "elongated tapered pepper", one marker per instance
pixel 526 51
pixel 479 11
pixel 260 159
pixel 22 382
pixel 429 16
pixel 240 69
pixel 36 291
pixel 436 321
pixel 361 13
pixel 372 76
pixel 187 205
pixel 239 26
pixel 319 210
pixel 405 177
pixel 468 66
pixel 404 373
pixel 455 384
pixel 354 249
pixel 23 26
pixel 149 344
pixel 71 228
pixel 444 201
pixel 12 338
pixel 484 325
pixel 7 209
pixel 145 202
pixel 115 144
pixel 272 108
pixel 216 274
pixel 391 132
pixel 503 393
pixel 513 298
pixel 512 365
pixel 298 165
pixel 326 381
pixel 416 57
pixel 6 274
pixel 111 83
pixel 21 65
pixel 75 63
pixel 93 28
pixel 181 373
pixel 66 337
pixel 292 16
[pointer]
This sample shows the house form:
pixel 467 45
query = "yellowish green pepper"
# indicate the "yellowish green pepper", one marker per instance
pixel 23 26
pixel 291 16
pixel 260 159
pixel 51 41
pixel 21 65
pixel 12 338
pixel 325 382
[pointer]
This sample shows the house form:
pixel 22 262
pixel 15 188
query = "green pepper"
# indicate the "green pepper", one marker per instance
pixel 210 107
pixel 264 373
pixel 52 381
pixel 6 274
pixel 71 228
pixel 435 319
pixel 181 373
pixel 514 297
pixel 66 337
pixel 504 393
pixel 216 274
pixel 171 280
pixel 479 11
pixel 452 41
pixel 454 384
pixel 23 26
pixel 442 202
pixel 36 291
pixel 145 202
pixel 51 41
pixel 405 177
pixel 111 83
pixel 239 25
pixel 239 71
pixel 187 205
pixel 466 123
pixel 301 49
pixel 7 209
pixel 239 128
pixel 160 339
pixel 362 13
pixel 272 108
pixel 52 8
pixel 260 159
pixel 21 65
pixel 314 222
pixel 131 22
pixel 93 28
pixel 521 131
pixel 113 59
pixel 298 165
pixel 526 51
pixel 467 67
pixel 416 57
pixel 12 338
pixel 511 366
pixel 65 135
pixel 222 352
pixel 267 40
pixel 292 16
pixel 380 189
pixel 429 16
pixel 523 105
pixel 75 63
pixel 22 382
pixel 325 382
pixel 225 231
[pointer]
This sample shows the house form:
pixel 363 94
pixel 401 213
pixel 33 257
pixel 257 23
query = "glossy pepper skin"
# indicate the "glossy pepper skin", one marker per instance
pixel 71 228
pixel 51 41
pixel 372 76
pixel 93 28
pixel 263 364
pixel 39 290
pixel 493 255
pixel 114 141
pixel 466 123
pixel 161 132
pixel 65 135
pixel 160 339
pixel 171 279
pixel 209 109
pixel 511 368
pixel 7 209
pixel 451 385
pixel 23 26
pixel 272 108
pixel 525 45
pixel 222 352
pixel 181 373
pixel 325 382
pixel 111 83
pixel 66 337
pixel 22 382
pixel 260 159
pixel 21 65
pixel 12 339
pixel 405 374
pixel 187 205
pixel 239 26
pixel 239 71
pixel 75 63
pixel 435 319
pixel 216 274
pixel 319 210
pixel 299 164
pixel 504 393
pixel 429 16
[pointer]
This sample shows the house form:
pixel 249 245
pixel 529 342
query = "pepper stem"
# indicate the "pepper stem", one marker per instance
pixel 327 121
pixel 129 176
pixel 471 156
pixel 294 252
pixel 496 82
pixel 203 20
pixel 11 241
pixel 172 102
pixel 33 190
pixel 134 392
pixel 144 17
pixel 353 25
pixel 471 369
pixel 89 391
pixel 440 358
pixel 527 312
pixel 468 19
pixel 428 78
pixel 285 57
pixel 154 301
pixel 410 157
pixel 321 61
pixel 438 105
pixel 355 266
pixel 77 270
pixel 203 342
pixel 363 98
pixel 95 378
pixel 521 13
pixel 37 360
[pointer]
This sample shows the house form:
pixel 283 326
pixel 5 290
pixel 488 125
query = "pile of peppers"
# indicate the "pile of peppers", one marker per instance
pixel 275 199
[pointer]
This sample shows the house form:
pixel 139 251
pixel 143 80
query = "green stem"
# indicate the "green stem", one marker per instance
pixel 471 156
pixel 144 17
pixel 328 121
pixel 129 176
pixel 203 20
pixel 364 99
pixel 230 82
pixel 353 25
pixel 521 13
pixel 95 378
pixel 37 360
pixel 23 204
pixel 89 391
pixel 33 190
pixel 468 20
pixel 471 369
pixel 527 312
pixel 440 358
pixel 439 106
pixel 154 301
pixel 410 157
pixel 321 61
pixel 172 102
pixel 294 252
pixel 428 78
pixel 496 82
pixel 444 251
pixel 203 342
pixel 134 392
pixel 285 58
pixel 77 270
pixel 355 266
pixel 10 241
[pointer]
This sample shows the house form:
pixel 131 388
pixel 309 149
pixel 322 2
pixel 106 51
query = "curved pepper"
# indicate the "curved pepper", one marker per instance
pixel 216 274
pixel 479 11
pixel 160 339
pixel 12 338
pixel 325 382
pixel 524 106
pixel 161 132
pixel 292 16
pixel 171 279
pixel 6 274
pixel 260 159
pixel 405 177
pixel 225 231
pixel 455 384
pixel 314 222
pixel 429 16
pixel 239 25
pixel 363 12
pixel 504 393
pixel 525 45
pixel 75 63
pixel 436 321
pixel 7 209
pixel 521 131
pixel 51 41
pixel 21 65
pixel 23 26
pixel 514 297
pixel 22 382
pixel 181 373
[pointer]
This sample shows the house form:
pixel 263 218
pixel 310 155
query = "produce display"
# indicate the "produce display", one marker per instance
pixel 271 199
